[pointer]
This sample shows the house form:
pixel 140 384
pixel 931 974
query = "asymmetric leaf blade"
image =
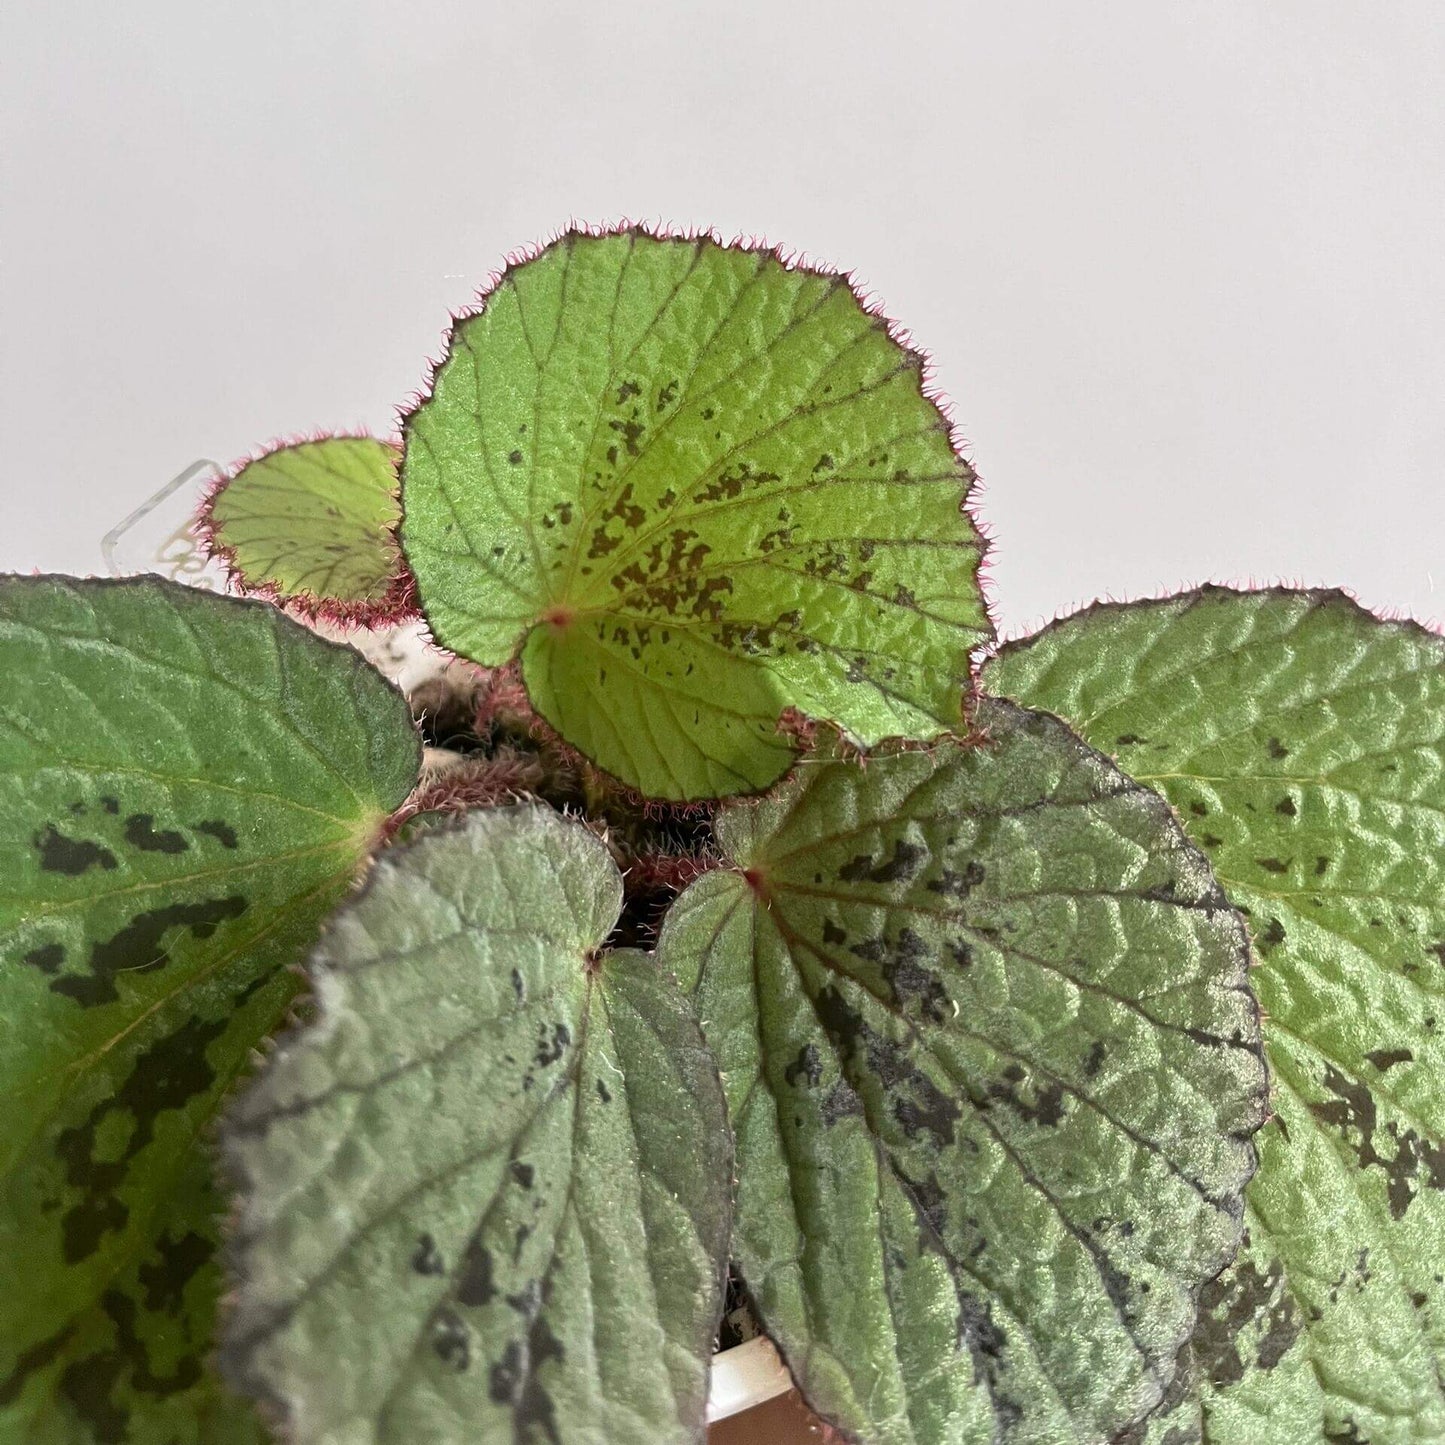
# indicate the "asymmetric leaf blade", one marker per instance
pixel 314 523
pixel 694 487
pixel 188 783
pixel 1302 743
pixel 993 1068
pixel 486 1196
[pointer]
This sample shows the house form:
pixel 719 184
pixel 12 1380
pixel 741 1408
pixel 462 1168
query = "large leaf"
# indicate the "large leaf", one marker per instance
pixel 187 784
pixel 314 524
pixel 486 1196
pixel 993 1067
pixel 1302 742
pixel 694 487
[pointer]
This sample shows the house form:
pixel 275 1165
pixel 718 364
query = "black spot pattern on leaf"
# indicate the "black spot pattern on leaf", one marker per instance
pixel 952 884
pixel 841 1103
pixel 534 1407
pixel 1353 1112
pixel 475 1284
pixel 505 1376
pixel 139 946
pixel 1046 1107
pixel 165 1076
pixel 1245 1298
pixel 175 1261
pixel 1271 936
pixel 89 1383
pixel 220 830
pixel 71 856
pixel 913 1007
pixel 930 1205
pixel 907 860
pixel 451 1340
pixel 1384 1059
pixel 426 1257
pixel 141 833
pixel 37 1357
pixel 807 1066
pixel 905 971
pixel 47 958
pixel 549 1051
pixel 917 1104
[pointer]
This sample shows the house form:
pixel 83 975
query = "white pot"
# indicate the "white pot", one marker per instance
pixel 744 1376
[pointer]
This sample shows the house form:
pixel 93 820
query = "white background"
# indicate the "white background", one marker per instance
pixel 1181 266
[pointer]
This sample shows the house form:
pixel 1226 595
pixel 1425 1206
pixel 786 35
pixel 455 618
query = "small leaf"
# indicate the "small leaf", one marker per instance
pixel 693 487
pixel 993 1068
pixel 485 1196
pixel 1302 743
pixel 313 524
pixel 188 783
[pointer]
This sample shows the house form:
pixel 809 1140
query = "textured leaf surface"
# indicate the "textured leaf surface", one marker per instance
pixel 1302 742
pixel 487 1194
pixel 187 784
pixel 993 1068
pixel 315 521
pixel 694 487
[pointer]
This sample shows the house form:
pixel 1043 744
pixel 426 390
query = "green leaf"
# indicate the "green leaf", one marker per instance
pixel 485 1197
pixel 315 523
pixel 993 1068
pixel 133 1368
pixel 188 784
pixel 1302 742
pixel 693 487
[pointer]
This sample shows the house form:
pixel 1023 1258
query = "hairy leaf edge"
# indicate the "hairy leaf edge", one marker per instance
pixel 790 720
pixel 232 1355
pixel 1245 959
pixel 399 603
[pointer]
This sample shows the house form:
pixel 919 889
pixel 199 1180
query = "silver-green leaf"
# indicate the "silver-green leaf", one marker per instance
pixel 993 1067
pixel 1302 742
pixel 485 1196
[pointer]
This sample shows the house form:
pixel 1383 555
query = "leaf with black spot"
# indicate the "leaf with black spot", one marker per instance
pixel 135 1367
pixel 188 784
pixel 693 487
pixel 475 1211
pixel 1312 737
pixel 981 1208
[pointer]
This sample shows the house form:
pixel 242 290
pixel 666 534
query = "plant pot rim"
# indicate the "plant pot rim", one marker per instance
pixel 748 1374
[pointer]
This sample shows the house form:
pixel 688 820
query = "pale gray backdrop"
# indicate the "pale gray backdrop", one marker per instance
pixel 1181 266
